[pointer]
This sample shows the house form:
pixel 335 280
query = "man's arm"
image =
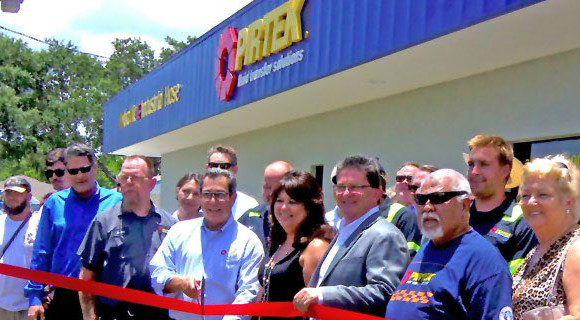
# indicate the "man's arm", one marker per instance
pixel 248 284
pixel 490 297
pixel 385 263
pixel 41 260
pixel 162 267
pixel 524 241
pixel 88 300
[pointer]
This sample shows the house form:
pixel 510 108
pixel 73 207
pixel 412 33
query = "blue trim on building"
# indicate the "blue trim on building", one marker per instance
pixel 341 35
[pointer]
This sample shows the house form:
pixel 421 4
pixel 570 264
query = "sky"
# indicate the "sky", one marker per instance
pixel 93 24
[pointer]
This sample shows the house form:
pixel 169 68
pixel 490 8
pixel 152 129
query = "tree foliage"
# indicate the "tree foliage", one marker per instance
pixel 50 98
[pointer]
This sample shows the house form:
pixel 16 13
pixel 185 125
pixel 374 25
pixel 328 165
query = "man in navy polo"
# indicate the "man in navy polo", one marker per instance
pixel 120 243
pixel 66 216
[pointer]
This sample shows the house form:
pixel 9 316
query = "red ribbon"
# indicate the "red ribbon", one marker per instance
pixel 270 309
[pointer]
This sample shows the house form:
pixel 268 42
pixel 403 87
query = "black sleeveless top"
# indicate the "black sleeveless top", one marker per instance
pixel 282 281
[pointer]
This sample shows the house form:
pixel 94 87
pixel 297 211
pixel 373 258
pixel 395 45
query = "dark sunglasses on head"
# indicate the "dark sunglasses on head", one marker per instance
pixel 404 178
pixel 221 165
pixel 81 169
pixel 437 197
pixel 49 172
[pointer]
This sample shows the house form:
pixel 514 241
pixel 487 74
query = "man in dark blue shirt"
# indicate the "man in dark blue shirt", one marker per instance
pixel 120 243
pixel 65 218
pixel 457 274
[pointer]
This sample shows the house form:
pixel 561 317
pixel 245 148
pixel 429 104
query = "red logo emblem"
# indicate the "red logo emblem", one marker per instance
pixel 224 252
pixel 225 80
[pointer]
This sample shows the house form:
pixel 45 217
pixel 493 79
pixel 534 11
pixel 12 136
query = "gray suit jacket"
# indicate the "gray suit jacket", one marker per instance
pixel 366 270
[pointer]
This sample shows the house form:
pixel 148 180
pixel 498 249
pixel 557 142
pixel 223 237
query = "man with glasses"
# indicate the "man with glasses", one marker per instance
pixel 209 260
pixel 366 260
pixel 225 158
pixel 66 215
pixel 120 243
pixel 17 234
pixel 403 179
pixel 401 216
pixel 494 213
pixel 457 274
pixel 55 171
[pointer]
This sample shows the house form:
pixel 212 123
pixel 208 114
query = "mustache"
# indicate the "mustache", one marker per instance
pixel 430 215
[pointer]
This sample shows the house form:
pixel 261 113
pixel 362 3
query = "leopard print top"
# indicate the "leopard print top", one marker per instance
pixel 532 284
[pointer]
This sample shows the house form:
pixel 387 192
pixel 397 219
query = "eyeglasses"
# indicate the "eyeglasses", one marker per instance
pixel 413 188
pixel 49 172
pixel 404 178
pixel 125 178
pixel 437 197
pixel 81 169
pixel 340 188
pixel 221 165
pixel 219 195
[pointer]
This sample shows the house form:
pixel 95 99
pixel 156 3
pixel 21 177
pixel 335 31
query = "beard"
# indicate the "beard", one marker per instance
pixel 15 210
pixel 431 233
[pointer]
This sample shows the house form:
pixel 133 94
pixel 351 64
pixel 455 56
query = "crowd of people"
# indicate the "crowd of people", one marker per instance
pixel 435 245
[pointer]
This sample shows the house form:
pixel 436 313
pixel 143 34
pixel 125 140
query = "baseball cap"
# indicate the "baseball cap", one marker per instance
pixel 17 184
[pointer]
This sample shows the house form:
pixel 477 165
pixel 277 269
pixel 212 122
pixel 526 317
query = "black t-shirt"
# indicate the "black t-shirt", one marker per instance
pixel 506 229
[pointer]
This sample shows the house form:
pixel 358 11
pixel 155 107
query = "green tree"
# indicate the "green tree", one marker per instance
pixel 53 97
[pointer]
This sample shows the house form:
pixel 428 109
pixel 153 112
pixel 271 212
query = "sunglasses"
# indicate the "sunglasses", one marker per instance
pixel 437 197
pixel 221 165
pixel 49 172
pixel 404 178
pixel 413 188
pixel 81 169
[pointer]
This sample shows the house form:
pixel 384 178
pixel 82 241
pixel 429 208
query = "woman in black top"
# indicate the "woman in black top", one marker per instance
pixel 298 239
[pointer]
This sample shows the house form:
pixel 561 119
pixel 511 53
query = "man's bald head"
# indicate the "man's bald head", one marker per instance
pixel 272 175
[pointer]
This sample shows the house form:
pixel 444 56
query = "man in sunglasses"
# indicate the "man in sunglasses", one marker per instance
pixel 403 179
pixel 401 216
pixel 225 158
pixel 65 218
pixel 120 242
pixel 494 213
pixel 457 274
pixel 209 260
pixel 17 233
pixel 56 170
pixel 366 260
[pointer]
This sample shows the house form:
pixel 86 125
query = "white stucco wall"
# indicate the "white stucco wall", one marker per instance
pixel 534 100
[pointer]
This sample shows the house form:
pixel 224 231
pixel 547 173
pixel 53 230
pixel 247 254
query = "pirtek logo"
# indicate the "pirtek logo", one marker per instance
pixel 276 31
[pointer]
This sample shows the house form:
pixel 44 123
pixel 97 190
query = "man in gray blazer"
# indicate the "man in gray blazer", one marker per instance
pixel 366 260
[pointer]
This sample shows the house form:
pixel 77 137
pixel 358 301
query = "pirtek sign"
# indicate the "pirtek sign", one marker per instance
pixel 276 31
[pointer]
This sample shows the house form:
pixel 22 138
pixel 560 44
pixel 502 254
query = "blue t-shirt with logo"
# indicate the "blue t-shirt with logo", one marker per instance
pixel 465 278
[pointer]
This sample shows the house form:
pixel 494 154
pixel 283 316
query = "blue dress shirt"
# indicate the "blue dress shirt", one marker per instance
pixel 64 222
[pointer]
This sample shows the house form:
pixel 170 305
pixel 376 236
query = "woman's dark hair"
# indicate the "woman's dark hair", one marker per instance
pixel 188 177
pixel 303 188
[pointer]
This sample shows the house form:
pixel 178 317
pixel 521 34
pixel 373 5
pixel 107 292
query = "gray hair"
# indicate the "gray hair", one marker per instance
pixel 458 181
pixel 215 173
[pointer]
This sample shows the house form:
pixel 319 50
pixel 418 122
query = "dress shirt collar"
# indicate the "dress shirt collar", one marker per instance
pixel 345 230
pixel 226 225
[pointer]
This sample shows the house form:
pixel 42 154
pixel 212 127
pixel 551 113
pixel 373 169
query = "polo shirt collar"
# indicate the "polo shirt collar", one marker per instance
pixel 76 195
pixel 152 211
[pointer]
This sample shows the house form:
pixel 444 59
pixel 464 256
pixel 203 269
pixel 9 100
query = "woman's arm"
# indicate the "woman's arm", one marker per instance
pixel 571 279
pixel 311 256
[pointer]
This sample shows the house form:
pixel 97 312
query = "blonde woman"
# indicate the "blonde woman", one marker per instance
pixel 550 276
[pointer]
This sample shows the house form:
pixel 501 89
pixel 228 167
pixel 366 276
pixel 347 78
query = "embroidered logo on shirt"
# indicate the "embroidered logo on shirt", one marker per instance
pixel 29 238
pixel 162 229
pixel 412 296
pixel 224 251
pixel 501 232
pixel 120 232
pixel 506 313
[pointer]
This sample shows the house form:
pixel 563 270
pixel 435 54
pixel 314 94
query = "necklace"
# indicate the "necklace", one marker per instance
pixel 269 267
